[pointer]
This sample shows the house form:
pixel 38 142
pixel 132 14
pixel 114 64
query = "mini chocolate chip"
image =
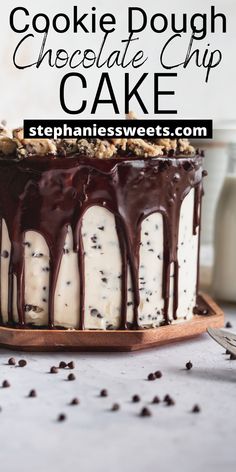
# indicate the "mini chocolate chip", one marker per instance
pixel 145 412
pixel 53 370
pixel 74 401
pixel 151 376
pixel 6 384
pixel 61 417
pixel 5 254
pixel 232 357
pixel 62 365
pixel 156 399
pixel 101 228
pixel 115 407
pixel 71 377
pixel 204 173
pixel 12 361
pixel 196 409
pixel 166 398
pixel 22 363
pixel 170 402
pixel 32 393
pixel 227 352
pixel 71 365
pixel 228 325
pixel 158 374
pixel 189 365
pixel 104 279
pixel 104 393
pixel 136 398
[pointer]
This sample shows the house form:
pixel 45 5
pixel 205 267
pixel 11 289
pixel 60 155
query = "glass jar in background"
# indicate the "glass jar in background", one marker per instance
pixel 224 269
pixel 215 162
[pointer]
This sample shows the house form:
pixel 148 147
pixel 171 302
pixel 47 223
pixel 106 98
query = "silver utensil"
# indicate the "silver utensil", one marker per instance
pixel 224 338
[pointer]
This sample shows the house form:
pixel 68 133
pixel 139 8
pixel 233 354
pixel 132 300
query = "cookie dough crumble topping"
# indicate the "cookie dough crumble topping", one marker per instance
pixel 13 144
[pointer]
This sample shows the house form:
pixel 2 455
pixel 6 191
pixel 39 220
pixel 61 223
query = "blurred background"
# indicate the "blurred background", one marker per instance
pixel 218 237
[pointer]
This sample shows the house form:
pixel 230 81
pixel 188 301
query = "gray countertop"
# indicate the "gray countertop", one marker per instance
pixel 97 439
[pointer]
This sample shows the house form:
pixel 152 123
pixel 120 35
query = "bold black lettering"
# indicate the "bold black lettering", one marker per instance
pixel 62 93
pixel 161 92
pixel 112 100
pixel 11 19
pixel 134 92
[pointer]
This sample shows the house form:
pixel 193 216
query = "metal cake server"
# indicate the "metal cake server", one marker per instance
pixel 224 338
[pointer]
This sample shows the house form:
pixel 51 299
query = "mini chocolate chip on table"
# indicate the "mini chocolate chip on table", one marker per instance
pixel 71 365
pixel 228 325
pixel 156 399
pixel 170 402
pixel 62 365
pixel 53 370
pixel 115 407
pixel 158 374
pixel 71 377
pixel 22 363
pixel 196 409
pixel 189 365
pixel 6 384
pixel 136 398
pixel 104 393
pixel 151 376
pixel 12 361
pixel 32 394
pixel 166 398
pixel 61 417
pixel 145 412
pixel 74 401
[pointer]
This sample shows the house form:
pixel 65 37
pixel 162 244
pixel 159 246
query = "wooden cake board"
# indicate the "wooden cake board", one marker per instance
pixel 116 340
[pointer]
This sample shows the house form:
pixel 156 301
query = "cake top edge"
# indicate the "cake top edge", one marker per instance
pixel 14 145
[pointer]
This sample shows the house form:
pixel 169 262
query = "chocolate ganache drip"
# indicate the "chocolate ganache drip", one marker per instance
pixel 47 195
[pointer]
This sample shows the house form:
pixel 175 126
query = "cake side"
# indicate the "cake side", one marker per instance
pixel 97 243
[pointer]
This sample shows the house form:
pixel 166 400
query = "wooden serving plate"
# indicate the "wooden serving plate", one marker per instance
pixel 122 340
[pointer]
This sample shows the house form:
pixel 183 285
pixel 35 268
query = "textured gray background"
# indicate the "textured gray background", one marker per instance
pixel 96 439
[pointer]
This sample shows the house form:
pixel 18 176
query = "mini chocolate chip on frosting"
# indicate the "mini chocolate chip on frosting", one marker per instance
pixel 13 144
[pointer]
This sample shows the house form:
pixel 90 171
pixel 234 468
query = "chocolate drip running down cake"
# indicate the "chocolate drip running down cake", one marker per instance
pixel 98 234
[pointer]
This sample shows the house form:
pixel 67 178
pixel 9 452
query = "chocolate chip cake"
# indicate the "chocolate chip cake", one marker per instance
pixel 98 234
